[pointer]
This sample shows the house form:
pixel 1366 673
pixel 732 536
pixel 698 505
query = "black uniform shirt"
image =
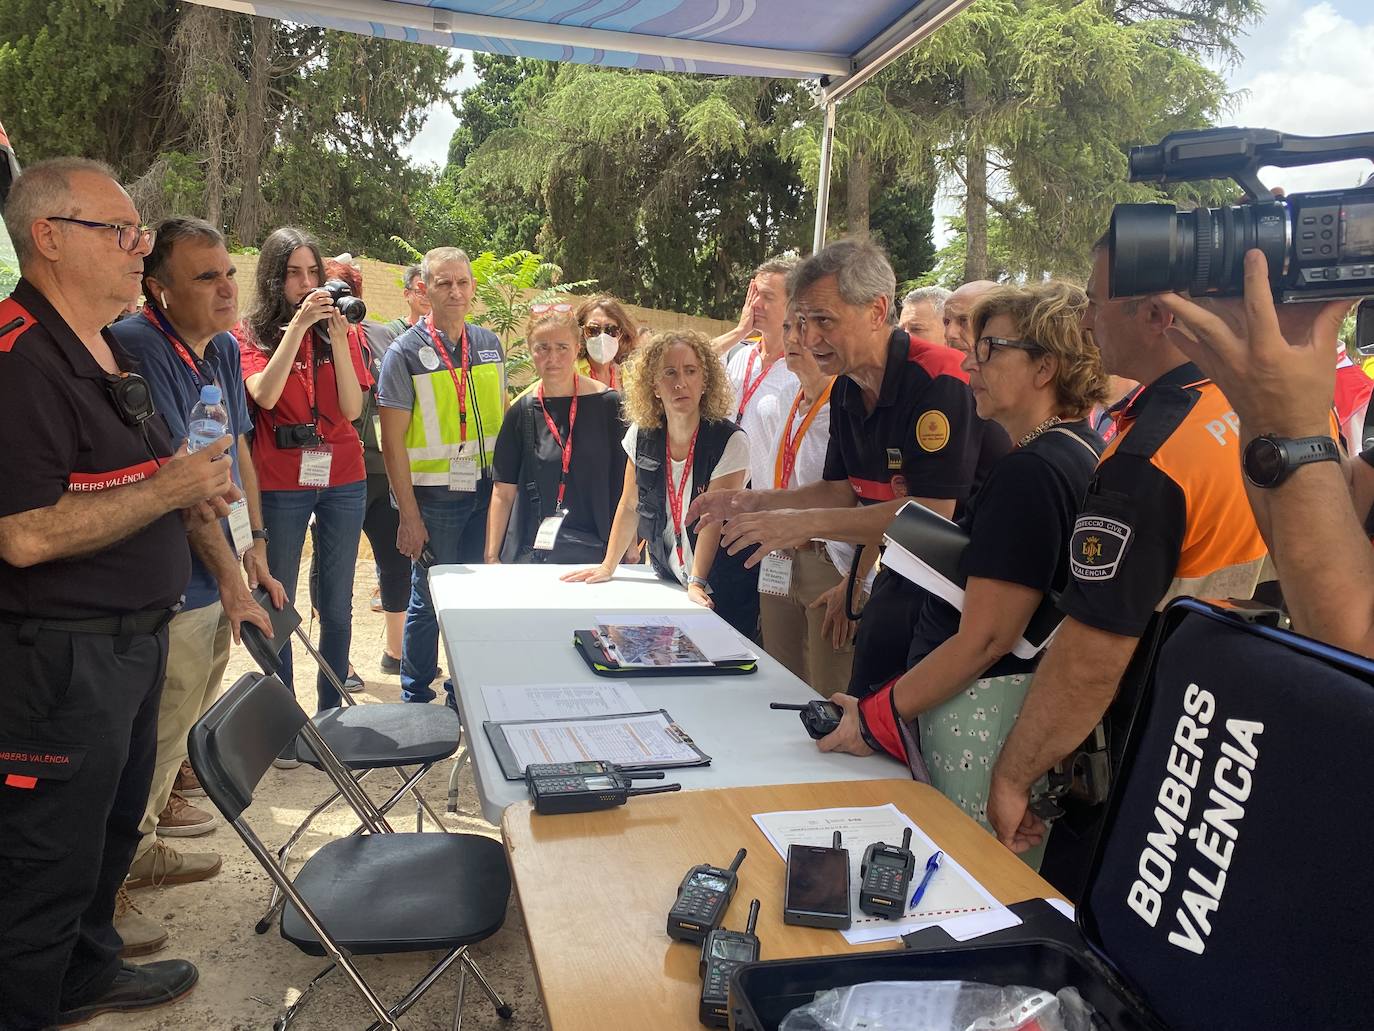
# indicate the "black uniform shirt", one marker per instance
pixel 60 432
pixel 923 439
pixel 1019 524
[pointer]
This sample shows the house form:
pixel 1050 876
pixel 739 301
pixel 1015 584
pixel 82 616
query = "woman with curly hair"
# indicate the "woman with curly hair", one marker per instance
pixel 1036 371
pixel 682 442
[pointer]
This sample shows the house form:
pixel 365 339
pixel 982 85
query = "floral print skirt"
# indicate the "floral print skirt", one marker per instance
pixel 962 738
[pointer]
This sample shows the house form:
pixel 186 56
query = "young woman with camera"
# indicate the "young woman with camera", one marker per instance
pixel 682 442
pixel 306 379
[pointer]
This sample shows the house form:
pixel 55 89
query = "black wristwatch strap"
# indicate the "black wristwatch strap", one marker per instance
pixel 261 535
pixel 1269 460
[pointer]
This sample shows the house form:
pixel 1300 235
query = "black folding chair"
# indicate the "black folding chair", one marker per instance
pixel 372 893
pixel 365 738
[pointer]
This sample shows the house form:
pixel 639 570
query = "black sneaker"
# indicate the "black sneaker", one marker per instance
pixel 353 682
pixel 390 664
pixel 137 988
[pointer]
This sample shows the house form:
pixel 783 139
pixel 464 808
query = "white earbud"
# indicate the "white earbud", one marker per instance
pixel 164 298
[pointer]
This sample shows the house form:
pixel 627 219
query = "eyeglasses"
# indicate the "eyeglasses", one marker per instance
pixel 983 347
pixel 129 237
pixel 540 309
pixel 592 329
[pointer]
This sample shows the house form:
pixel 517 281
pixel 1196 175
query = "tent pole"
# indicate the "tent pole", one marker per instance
pixel 823 183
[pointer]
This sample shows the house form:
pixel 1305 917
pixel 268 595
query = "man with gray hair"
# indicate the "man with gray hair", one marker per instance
pixel 417 302
pixel 902 426
pixel 923 312
pixel 958 308
pixel 441 399
pixel 94 520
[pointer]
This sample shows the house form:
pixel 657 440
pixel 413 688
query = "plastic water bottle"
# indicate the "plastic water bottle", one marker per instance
pixel 208 420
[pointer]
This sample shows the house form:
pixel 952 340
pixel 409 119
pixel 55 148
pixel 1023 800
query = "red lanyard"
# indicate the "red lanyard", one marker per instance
pixel 789 445
pixel 675 494
pixel 609 382
pixel 460 383
pixel 748 390
pixel 566 445
pixel 308 376
pixel 202 374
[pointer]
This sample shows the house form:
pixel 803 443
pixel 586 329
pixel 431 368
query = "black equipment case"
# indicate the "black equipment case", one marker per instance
pixel 1231 887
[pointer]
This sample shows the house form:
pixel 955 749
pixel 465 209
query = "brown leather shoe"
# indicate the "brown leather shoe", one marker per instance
pixel 180 819
pixel 187 784
pixel 162 864
pixel 141 934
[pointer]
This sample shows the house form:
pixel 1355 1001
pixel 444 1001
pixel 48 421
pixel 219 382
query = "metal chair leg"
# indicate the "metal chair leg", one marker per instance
pixel 460 759
pixel 462 990
pixel 503 1008
pixel 283 1021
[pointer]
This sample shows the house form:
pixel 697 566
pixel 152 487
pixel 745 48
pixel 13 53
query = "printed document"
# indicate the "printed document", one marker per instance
pixel 643 739
pixel 555 701
pixel 716 639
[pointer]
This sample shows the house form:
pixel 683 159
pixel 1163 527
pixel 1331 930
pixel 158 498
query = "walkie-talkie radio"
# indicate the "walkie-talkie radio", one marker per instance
pixel 583 793
pixel 819 718
pixel 721 952
pixel 587 768
pixel 702 899
pixel 885 875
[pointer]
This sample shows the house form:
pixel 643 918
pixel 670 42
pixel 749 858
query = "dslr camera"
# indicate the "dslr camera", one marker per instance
pixel 350 307
pixel 1319 245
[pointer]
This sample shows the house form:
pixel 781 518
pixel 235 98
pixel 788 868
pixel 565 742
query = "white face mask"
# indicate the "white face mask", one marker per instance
pixel 603 348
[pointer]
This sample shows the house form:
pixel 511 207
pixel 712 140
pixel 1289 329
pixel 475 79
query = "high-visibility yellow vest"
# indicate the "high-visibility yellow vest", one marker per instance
pixel 434 436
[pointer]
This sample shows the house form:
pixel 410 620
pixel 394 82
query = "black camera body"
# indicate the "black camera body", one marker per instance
pixel 1318 245
pixel 297 435
pixel 350 307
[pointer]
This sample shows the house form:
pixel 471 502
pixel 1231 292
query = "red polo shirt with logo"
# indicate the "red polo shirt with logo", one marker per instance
pixel 62 432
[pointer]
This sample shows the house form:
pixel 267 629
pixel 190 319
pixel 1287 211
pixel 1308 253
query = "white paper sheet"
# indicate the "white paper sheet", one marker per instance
pixel 1063 907
pixel 717 640
pixel 631 741
pixel 953 895
pixel 554 701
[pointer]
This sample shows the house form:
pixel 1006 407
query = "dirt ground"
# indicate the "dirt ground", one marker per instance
pixel 246 978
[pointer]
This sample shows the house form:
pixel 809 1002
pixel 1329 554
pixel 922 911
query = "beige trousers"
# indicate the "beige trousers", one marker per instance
pixel 792 631
pixel 197 653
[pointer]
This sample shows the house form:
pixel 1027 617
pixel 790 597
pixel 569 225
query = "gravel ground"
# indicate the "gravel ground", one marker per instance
pixel 246 978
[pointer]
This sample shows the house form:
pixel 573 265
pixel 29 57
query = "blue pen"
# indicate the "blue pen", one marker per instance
pixel 932 864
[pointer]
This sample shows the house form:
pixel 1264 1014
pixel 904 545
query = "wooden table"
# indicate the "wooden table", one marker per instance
pixel 595 889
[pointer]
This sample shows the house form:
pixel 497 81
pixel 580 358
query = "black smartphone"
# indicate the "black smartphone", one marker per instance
pixel 426 558
pixel 817 893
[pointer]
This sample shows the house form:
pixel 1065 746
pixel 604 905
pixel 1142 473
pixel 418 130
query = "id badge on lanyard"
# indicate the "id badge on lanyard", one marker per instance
pixel 775 574
pixel 547 536
pixel 315 464
pixel 240 527
pixel 464 472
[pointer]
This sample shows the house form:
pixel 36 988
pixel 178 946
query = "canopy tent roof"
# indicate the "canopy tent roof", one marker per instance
pixel 840 42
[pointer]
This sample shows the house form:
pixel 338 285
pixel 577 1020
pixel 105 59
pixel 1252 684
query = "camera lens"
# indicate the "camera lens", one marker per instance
pixel 1155 247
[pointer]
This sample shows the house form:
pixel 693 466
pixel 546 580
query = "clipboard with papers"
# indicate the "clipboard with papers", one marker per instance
pixel 633 741
pixel 927 549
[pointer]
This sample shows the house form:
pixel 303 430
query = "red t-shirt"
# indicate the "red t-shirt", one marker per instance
pixel 280 469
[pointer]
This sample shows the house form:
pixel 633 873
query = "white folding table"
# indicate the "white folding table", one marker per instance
pixel 514 624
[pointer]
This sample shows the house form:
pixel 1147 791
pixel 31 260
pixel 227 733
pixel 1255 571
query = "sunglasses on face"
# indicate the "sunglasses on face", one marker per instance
pixel 984 346
pixel 593 329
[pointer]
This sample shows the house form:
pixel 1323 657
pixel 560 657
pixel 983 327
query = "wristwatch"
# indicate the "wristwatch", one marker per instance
pixel 698 581
pixel 1270 460
pixel 261 535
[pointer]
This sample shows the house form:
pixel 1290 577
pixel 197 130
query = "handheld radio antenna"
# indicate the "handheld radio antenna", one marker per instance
pixel 753 917
pixel 660 789
pixel 906 838
pixel 836 842
pixel 646 775
pixel 739 858
pixel 787 705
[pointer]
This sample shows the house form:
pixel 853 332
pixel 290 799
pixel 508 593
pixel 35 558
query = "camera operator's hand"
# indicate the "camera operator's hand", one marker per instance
pixel 187 479
pixel 318 305
pixel 1275 363
pixel 338 331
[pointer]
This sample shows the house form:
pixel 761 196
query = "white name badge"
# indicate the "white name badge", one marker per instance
pixel 315 465
pixel 240 527
pixel 775 574
pixel 463 474
pixel 548 531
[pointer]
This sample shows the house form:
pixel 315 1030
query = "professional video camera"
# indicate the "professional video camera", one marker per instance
pixel 350 307
pixel 1319 245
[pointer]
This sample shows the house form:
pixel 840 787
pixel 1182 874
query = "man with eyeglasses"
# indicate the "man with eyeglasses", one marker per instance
pixel 94 518
pixel 902 426
pixel 1166 515
pixel 441 398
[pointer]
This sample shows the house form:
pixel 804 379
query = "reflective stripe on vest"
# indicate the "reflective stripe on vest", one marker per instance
pixel 433 436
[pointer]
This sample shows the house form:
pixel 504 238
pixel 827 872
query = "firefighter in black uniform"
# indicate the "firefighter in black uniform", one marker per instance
pixel 902 427
pixel 93 562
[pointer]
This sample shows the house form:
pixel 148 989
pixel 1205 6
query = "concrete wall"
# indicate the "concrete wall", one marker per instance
pixel 382 291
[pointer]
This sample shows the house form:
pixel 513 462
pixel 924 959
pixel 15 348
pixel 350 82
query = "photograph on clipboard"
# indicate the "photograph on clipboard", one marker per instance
pixel 649 647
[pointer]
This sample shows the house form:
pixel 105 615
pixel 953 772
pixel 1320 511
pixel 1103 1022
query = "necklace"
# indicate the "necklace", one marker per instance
pixel 1053 420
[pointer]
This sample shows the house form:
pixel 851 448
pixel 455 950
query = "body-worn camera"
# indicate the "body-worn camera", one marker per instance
pixel 1318 245
pixel 350 307
pixel 297 435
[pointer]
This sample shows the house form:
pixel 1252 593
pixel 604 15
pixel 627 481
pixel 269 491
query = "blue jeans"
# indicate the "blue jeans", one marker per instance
pixel 457 525
pixel 339 520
